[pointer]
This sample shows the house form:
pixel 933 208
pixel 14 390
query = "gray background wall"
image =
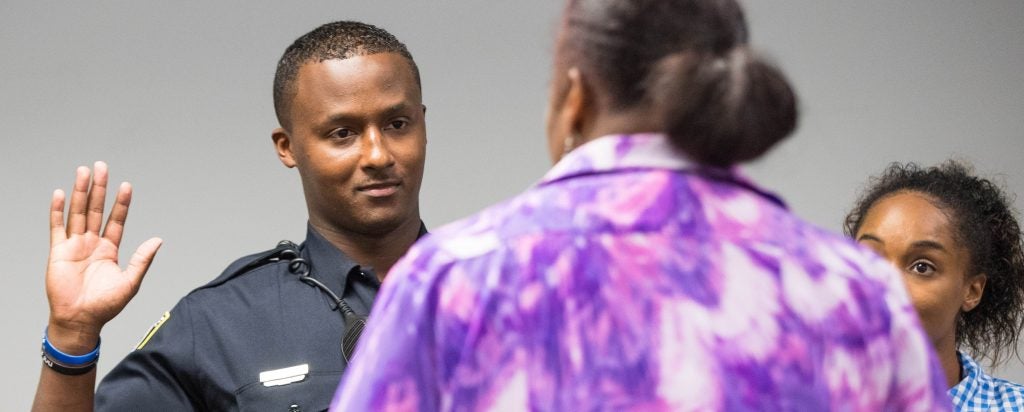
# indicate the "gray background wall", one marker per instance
pixel 175 96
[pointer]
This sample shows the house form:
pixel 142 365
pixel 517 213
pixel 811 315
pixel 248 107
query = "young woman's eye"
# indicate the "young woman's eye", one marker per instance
pixel 922 268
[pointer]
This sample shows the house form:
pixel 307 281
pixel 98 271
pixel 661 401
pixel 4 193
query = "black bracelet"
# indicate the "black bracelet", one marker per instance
pixel 65 370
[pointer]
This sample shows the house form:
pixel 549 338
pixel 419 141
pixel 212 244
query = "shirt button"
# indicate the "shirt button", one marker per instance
pixel 294 408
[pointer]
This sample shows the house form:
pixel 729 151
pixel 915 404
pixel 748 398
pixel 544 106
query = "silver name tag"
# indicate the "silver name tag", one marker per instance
pixel 278 377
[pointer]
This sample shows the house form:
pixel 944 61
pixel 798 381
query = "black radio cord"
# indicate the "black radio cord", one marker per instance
pixel 354 324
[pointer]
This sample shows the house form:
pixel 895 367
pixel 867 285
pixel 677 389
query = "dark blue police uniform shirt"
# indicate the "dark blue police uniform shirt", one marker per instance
pixel 210 351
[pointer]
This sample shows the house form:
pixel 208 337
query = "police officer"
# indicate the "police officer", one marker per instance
pixel 273 331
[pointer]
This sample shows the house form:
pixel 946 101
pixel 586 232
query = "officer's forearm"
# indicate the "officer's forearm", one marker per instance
pixel 58 392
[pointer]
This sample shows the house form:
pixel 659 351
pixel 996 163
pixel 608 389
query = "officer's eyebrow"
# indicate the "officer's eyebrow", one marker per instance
pixel 397 108
pixel 338 118
pixel 390 111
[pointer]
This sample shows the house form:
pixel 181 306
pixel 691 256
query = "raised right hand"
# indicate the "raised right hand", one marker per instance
pixel 85 285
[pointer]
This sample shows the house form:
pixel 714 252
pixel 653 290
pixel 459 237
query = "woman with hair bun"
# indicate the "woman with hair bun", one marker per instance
pixel 643 272
pixel 956 240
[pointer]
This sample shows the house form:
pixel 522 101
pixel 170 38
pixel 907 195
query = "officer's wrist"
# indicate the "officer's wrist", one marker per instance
pixel 72 339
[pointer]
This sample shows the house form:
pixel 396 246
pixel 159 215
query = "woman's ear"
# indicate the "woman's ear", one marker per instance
pixel 566 116
pixel 975 290
pixel 575 104
pixel 569 113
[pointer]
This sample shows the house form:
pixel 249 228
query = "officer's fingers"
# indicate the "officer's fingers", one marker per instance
pixel 118 214
pixel 79 196
pixel 57 233
pixel 141 259
pixel 97 198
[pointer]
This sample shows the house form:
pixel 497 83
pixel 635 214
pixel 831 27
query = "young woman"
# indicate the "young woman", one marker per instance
pixel 957 241
pixel 642 272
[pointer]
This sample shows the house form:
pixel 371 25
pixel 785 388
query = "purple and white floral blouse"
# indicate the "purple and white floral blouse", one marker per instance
pixel 630 279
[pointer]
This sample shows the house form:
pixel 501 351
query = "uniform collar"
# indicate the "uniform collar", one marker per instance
pixel 620 152
pixel 332 266
pixel 327 263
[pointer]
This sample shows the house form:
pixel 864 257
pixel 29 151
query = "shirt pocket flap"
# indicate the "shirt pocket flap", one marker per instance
pixel 314 393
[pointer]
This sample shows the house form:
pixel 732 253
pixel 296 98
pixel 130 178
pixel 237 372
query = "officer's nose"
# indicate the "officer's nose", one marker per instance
pixel 376 154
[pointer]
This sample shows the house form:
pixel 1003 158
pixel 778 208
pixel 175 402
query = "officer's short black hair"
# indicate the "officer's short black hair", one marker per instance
pixel 337 40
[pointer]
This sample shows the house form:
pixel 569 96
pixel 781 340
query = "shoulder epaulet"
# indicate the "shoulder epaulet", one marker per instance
pixel 285 250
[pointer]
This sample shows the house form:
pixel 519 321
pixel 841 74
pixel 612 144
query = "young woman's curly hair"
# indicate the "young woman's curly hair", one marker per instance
pixel 986 225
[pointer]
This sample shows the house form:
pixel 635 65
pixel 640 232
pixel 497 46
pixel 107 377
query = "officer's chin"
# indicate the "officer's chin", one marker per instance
pixel 384 221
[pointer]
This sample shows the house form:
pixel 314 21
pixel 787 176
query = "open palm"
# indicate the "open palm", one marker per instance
pixel 85 285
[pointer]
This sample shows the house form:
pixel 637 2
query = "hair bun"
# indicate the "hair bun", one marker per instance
pixel 729 109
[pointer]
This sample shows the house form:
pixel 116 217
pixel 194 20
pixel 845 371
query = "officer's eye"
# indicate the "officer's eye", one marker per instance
pixel 341 133
pixel 398 124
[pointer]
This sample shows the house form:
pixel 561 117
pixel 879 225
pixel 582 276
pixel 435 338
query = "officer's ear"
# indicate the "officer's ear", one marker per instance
pixel 283 145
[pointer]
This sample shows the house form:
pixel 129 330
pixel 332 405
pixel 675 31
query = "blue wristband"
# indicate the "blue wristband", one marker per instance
pixel 70 360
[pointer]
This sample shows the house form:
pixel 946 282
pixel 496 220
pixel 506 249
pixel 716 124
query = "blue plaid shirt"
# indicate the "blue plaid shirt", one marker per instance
pixel 980 392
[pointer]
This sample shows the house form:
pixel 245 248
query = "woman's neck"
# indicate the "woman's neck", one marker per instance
pixel 946 352
pixel 638 119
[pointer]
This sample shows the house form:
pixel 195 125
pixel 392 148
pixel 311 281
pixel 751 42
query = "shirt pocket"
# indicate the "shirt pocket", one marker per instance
pixel 313 394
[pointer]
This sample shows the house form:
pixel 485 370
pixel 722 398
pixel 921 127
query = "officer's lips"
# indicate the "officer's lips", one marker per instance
pixel 381 189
